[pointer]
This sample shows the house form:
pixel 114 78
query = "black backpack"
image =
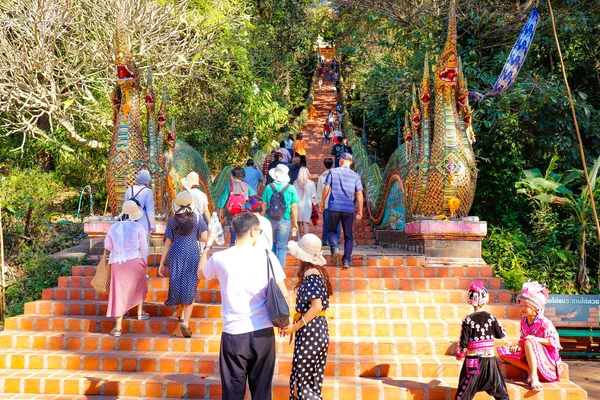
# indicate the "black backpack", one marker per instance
pixel 277 206
pixel 133 198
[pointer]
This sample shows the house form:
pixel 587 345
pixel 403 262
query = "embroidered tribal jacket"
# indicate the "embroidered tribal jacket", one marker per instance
pixel 477 335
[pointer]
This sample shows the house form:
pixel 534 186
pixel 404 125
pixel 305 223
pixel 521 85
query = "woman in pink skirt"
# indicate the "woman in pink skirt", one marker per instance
pixel 128 245
pixel 537 352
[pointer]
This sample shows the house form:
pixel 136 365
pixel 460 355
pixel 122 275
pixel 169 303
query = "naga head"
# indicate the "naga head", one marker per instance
pixel 127 72
pixel 116 102
pixel 462 92
pixel 407 131
pixel 415 113
pixel 447 69
pixel 425 89
pixel 162 112
pixel 462 100
pixel 150 98
pixel 171 135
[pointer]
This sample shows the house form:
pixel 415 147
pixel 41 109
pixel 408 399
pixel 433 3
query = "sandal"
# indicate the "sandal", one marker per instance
pixel 177 317
pixel 116 332
pixel 143 316
pixel 534 384
pixel 185 331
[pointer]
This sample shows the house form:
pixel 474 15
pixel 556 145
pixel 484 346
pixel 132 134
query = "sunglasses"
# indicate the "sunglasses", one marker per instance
pixel 260 231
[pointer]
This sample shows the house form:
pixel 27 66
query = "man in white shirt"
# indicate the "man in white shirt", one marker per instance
pixel 248 341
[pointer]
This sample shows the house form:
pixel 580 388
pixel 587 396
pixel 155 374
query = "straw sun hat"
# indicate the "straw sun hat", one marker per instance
pixel 308 249
pixel 192 179
pixel 184 203
pixel 131 209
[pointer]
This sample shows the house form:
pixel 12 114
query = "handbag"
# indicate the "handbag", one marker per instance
pixel 101 280
pixel 314 215
pixel 277 306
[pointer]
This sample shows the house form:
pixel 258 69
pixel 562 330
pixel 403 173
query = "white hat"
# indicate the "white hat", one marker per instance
pixel 131 209
pixel 280 173
pixel 308 249
pixel 184 203
pixel 192 179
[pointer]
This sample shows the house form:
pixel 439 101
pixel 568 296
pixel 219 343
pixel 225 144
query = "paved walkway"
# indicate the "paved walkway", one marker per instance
pixel 586 373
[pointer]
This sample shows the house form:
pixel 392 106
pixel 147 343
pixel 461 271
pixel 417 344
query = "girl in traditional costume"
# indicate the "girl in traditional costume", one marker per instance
pixel 537 352
pixel 480 371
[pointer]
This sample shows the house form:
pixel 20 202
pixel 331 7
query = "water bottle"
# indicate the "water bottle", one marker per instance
pixel 217 228
pixel 294 232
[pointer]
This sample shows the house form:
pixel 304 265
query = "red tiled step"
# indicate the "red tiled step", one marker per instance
pixel 148 385
pixel 340 297
pixel 448 283
pixel 347 345
pixel 422 366
pixel 369 268
pixel 337 327
pixel 212 310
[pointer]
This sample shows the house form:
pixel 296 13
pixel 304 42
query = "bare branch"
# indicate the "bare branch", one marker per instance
pixel 56 59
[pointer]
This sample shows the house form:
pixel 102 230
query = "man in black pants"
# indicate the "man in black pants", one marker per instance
pixel 248 342
pixel 343 187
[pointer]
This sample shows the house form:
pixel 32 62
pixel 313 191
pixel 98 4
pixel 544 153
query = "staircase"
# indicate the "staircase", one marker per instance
pixel 392 320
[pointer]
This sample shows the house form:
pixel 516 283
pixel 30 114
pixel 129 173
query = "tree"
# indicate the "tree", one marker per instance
pixel 56 60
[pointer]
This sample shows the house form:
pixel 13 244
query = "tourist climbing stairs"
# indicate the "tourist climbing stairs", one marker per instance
pixel 393 321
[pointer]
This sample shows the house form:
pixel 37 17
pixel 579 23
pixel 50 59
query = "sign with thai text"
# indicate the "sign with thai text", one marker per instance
pixel 573 310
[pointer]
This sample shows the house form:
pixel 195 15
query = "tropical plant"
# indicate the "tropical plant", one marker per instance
pixel 551 189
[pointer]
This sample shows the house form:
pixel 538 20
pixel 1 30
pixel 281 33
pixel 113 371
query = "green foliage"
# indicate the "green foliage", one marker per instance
pixel 508 252
pixel 34 225
pixel 31 201
pixel 517 258
pixel 541 228
pixel 557 251
pixel 37 272
pixel 523 127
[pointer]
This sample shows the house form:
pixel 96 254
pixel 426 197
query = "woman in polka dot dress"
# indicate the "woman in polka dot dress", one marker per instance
pixel 182 234
pixel 313 289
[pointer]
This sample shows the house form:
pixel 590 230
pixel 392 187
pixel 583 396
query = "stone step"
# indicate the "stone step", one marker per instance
pixel 368 268
pixel 341 283
pixel 347 345
pixel 434 328
pixel 344 311
pixel 420 366
pixel 370 256
pixel 70 385
pixel 341 297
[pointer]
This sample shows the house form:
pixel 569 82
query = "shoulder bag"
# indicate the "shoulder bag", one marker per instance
pixel 101 280
pixel 277 306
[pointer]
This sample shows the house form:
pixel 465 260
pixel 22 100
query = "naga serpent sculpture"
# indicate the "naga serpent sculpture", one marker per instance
pixel 436 163
pixel 128 154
